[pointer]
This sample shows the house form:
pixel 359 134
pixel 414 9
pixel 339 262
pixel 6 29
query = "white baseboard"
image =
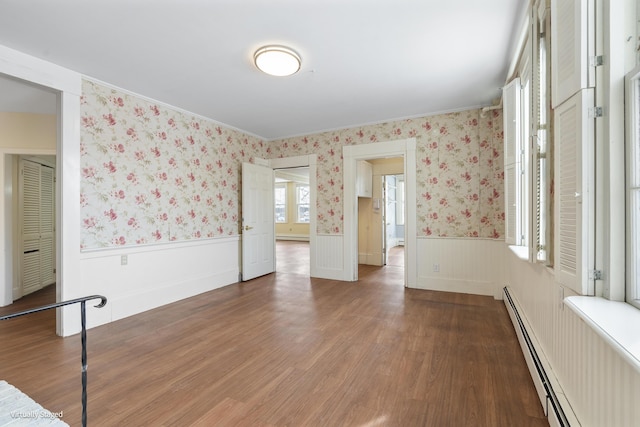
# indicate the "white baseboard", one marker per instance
pixel 295 237
pixel 458 285
pixel 134 303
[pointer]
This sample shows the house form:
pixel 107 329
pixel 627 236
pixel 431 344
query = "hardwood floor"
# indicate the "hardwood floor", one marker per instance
pixel 396 257
pixel 292 257
pixel 287 350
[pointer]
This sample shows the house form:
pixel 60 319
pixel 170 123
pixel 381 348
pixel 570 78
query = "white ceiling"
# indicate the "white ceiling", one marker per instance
pixel 364 61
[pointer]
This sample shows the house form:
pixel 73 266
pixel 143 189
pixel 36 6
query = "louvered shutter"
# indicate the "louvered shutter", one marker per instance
pixel 511 108
pixel 572 44
pixel 574 192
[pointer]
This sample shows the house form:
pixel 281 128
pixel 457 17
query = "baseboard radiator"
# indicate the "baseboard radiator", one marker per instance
pixel 552 402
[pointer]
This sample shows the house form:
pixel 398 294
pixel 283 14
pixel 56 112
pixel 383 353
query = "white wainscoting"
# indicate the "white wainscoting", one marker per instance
pixel 155 275
pixel 472 266
pixel 601 387
pixel 329 257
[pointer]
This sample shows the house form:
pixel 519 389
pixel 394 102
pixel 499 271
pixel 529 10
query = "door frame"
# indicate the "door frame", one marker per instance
pixel 67 85
pixel 309 161
pixel 405 148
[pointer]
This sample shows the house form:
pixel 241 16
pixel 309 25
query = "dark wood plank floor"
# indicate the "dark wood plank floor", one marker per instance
pixel 287 350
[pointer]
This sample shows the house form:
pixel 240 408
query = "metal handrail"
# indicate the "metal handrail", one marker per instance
pixel 83 336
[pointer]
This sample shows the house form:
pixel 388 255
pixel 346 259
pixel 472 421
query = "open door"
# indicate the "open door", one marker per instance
pixel 258 224
pixel 389 220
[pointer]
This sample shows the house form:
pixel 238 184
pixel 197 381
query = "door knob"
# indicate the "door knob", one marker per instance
pixel 246 227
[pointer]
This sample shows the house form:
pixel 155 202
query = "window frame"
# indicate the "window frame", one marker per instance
pixel 283 186
pixel 542 140
pixel 518 166
pixel 632 186
pixel 298 204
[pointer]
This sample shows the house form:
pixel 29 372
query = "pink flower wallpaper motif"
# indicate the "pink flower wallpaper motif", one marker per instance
pixel 459 171
pixel 155 174
pixel 152 174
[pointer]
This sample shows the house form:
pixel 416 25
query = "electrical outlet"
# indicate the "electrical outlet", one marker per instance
pixel 124 260
pixel 436 268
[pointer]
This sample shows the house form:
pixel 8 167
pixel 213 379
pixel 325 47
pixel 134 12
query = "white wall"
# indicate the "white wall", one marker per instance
pixel 600 386
pixel 156 275
pixel 473 266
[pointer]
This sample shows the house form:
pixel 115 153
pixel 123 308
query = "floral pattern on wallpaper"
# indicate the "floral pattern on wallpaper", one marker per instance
pixel 153 174
pixel 460 175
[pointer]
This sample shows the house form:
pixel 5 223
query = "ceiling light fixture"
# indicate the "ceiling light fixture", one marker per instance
pixel 277 60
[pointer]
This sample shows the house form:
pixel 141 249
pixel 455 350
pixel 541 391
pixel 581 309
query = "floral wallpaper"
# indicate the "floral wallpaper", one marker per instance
pixel 153 174
pixel 459 171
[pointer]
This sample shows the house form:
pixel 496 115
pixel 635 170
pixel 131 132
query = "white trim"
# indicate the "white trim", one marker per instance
pixel 296 237
pixel 387 120
pixel 351 154
pixel 69 85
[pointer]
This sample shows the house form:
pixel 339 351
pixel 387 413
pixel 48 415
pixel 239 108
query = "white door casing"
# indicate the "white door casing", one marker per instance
pixel 405 148
pixel 258 225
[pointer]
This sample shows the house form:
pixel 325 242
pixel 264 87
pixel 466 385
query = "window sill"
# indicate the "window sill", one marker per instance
pixel 616 322
pixel 521 252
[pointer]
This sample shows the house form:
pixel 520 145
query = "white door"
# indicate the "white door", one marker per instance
pixel 258 224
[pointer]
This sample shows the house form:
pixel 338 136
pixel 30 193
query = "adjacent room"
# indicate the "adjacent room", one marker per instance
pixel 426 214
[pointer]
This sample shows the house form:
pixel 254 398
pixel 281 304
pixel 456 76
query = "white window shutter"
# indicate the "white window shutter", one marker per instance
pixel 574 192
pixel 572 43
pixel 511 108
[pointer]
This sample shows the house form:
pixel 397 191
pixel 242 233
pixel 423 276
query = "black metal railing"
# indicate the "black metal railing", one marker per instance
pixel 83 336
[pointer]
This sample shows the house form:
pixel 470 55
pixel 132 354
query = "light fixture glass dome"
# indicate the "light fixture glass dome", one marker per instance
pixel 277 60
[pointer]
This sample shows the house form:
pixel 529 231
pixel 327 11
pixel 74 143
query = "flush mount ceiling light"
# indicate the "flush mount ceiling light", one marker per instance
pixel 277 60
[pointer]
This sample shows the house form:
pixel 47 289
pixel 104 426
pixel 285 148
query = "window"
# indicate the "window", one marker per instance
pixel 280 203
pixel 543 170
pixel 516 100
pixel 302 203
pixel 633 187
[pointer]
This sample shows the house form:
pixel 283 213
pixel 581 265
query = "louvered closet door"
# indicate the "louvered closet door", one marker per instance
pixel 574 192
pixel 37 226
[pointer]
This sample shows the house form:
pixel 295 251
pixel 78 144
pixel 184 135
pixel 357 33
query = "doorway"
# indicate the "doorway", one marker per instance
pixel 393 221
pixel 292 220
pixel 406 149
pixel 300 170
pixel 381 214
pixel 66 87
pixel 28 142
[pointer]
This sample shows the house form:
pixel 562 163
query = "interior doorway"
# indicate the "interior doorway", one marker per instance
pixel 393 221
pixel 28 142
pixel 352 154
pixel 292 196
pixel 381 215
